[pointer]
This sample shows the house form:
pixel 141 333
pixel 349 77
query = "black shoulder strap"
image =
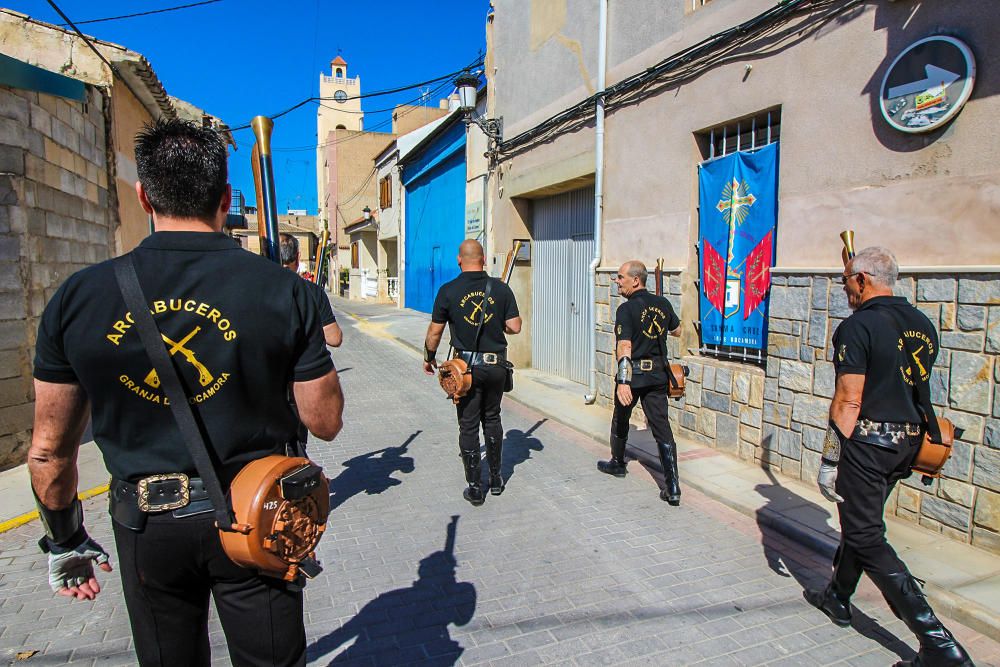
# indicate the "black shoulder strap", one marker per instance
pixel 482 320
pixel 150 336
pixel 922 390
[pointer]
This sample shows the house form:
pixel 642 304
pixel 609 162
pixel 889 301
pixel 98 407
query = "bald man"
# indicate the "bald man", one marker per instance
pixel 479 311
pixel 642 324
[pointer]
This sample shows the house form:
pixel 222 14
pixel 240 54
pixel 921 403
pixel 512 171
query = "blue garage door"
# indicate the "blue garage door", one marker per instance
pixel 435 226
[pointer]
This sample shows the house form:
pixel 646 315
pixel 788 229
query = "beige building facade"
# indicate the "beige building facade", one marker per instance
pixel 811 83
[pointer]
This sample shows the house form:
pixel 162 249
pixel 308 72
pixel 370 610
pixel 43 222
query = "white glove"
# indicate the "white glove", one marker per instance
pixel 74 567
pixel 826 478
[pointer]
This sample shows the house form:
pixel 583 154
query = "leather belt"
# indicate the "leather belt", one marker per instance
pixel 646 365
pixel 481 358
pixel 171 492
pixel 890 435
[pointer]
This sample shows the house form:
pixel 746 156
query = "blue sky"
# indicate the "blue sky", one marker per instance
pixel 240 58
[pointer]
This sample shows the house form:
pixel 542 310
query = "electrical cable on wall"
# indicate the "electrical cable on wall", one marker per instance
pixel 685 65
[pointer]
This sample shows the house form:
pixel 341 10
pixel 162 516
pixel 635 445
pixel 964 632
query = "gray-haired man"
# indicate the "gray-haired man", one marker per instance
pixel 876 427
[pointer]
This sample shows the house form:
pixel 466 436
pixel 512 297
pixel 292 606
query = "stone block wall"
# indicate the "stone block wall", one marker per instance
pixel 54 220
pixel 776 415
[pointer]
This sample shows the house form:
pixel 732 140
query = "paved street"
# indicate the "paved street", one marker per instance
pixel 566 567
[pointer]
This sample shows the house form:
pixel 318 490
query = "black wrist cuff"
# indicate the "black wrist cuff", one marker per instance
pixel 72 542
pixel 61 526
pixel 429 355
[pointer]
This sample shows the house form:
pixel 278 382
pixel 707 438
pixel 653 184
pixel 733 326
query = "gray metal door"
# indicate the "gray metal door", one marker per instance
pixel 563 248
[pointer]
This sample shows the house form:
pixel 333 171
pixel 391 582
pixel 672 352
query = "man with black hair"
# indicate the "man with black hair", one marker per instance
pixel 236 350
pixel 882 353
pixel 642 325
pixel 479 311
pixel 289 249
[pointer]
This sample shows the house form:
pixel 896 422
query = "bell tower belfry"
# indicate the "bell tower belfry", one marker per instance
pixel 340 109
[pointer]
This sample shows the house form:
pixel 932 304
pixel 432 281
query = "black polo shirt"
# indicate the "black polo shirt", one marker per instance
pixel 460 303
pixel 870 343
pixel 645 319
pixel 240 328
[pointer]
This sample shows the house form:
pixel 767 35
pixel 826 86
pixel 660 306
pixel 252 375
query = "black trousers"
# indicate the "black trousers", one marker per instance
pixel 481 407
pixel 654 404
pixel 865 478
pixel 168 571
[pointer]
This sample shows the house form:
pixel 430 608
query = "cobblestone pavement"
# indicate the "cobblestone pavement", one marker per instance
pixel 568 566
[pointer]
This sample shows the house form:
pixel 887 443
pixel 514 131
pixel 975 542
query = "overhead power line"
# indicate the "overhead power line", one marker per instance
pixel 154 11
pixel 377 93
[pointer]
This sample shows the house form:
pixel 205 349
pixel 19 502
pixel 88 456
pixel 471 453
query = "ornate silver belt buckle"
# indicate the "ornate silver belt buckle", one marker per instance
pixel 143 491
pixel 913 429
pixel 490 358
pixel 645 365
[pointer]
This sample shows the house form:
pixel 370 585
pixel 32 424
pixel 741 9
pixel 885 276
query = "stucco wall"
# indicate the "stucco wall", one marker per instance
pixel 54 220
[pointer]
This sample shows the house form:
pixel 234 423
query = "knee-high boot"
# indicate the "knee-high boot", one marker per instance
pixel 671 480
pixel 494 457
pixel 615 466
pixel 474 493
pixel 938 648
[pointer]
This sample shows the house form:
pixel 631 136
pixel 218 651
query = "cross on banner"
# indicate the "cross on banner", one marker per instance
pixel 735 207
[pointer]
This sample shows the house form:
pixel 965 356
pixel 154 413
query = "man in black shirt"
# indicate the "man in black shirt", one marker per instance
pixel 479 311
pixel 875 431
pixel 239 330
pixel 289 248
pixel 642 324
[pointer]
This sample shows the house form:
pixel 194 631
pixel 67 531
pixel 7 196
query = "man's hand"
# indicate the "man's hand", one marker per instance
pixel 430 367
pixel 71 571
pixel 826 478
pixel 624 394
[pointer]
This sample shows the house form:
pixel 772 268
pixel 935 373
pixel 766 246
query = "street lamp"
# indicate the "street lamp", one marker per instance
pixel 468 85
pixel 367 213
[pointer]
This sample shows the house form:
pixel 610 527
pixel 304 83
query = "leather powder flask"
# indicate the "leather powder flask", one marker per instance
pixel 455 378
pixel 932 456
pixel 676 378
pixel 281 504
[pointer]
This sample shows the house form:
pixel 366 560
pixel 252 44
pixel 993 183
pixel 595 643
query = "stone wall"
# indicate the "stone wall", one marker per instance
pixel 54 220
pixel 777 415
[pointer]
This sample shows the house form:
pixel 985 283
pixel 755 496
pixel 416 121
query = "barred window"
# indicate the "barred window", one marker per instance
pixel 746 134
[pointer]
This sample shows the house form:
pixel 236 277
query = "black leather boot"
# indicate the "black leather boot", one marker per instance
pixel 474 493
pixel 938 648
pixel 615 466
pixel 828 601
pixel 671 480
pixel 494 457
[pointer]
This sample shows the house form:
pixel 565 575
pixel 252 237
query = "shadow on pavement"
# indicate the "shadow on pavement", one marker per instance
pixel 408 624
pixel 809 569
pixel 371 472
pixel 517 448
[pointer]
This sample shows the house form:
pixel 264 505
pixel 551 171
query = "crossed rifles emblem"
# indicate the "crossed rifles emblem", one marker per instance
pixel 478 307
pixel 204 376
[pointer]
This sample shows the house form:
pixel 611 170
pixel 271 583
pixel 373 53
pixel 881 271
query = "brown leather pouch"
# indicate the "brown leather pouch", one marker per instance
pixel 933 455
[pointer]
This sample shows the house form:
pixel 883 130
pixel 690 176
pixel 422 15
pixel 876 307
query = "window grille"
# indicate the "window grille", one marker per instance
pixel 747 134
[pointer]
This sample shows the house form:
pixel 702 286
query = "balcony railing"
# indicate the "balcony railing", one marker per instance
pixel 339 80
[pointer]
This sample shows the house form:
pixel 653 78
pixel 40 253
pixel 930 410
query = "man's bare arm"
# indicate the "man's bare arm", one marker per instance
pixel 435 331
pixel 333 334
pixel 846 404
pixel 61 413
pixel 512 326
pixel 623 349
pixel 676 332
pixel 320 403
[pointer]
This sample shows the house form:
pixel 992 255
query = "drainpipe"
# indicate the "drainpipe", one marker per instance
pixel 602 61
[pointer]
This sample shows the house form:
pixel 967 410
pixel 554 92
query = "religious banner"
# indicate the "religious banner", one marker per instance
pixel 738 199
